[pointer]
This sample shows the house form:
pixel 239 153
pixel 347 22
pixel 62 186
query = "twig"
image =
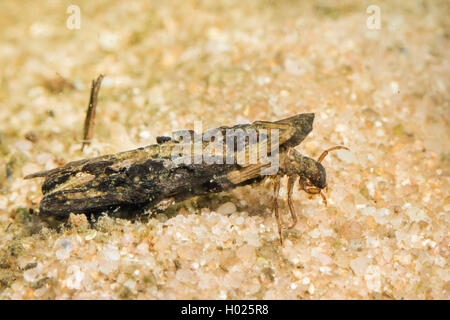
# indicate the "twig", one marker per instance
pixel 90 113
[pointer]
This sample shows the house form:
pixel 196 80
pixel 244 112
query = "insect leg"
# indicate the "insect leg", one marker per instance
pixel 276 190
pixel 290 187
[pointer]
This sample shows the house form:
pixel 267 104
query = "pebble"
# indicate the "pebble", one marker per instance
pixel 108 41
pixel 359 265
pixel 246 253
pixel 62 254
pixel 351 230
pixel 111 253
pixel 78 220
pixel 346 156
pixel 91 235
pixel 75 278
pixel 239 221
pixel 417 214
pixel 66 246
pixel 293 66
pixel 142 248
pixel 227 208
pixel 130 284
pixel 33 274
pixel 185 275
pixel 373 278
pixel 23 145
pixel 320 256
pixel 235 279
pixel 107 266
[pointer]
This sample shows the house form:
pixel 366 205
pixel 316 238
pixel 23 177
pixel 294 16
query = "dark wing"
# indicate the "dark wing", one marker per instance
pixel 303 124
pixel 292 131
pixel 102 185
pixel 67 175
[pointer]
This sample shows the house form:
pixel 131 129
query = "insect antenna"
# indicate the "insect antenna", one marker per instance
pixel 325 153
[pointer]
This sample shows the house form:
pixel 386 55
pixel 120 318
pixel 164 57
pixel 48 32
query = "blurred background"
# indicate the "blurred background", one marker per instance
pixel 376 73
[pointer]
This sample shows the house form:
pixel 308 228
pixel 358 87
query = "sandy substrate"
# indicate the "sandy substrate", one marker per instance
pixel 383 93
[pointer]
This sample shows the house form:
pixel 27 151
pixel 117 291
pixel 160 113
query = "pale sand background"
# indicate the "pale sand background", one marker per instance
pixel 383 93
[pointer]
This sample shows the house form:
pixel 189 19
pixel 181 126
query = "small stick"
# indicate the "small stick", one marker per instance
pixel 90 113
